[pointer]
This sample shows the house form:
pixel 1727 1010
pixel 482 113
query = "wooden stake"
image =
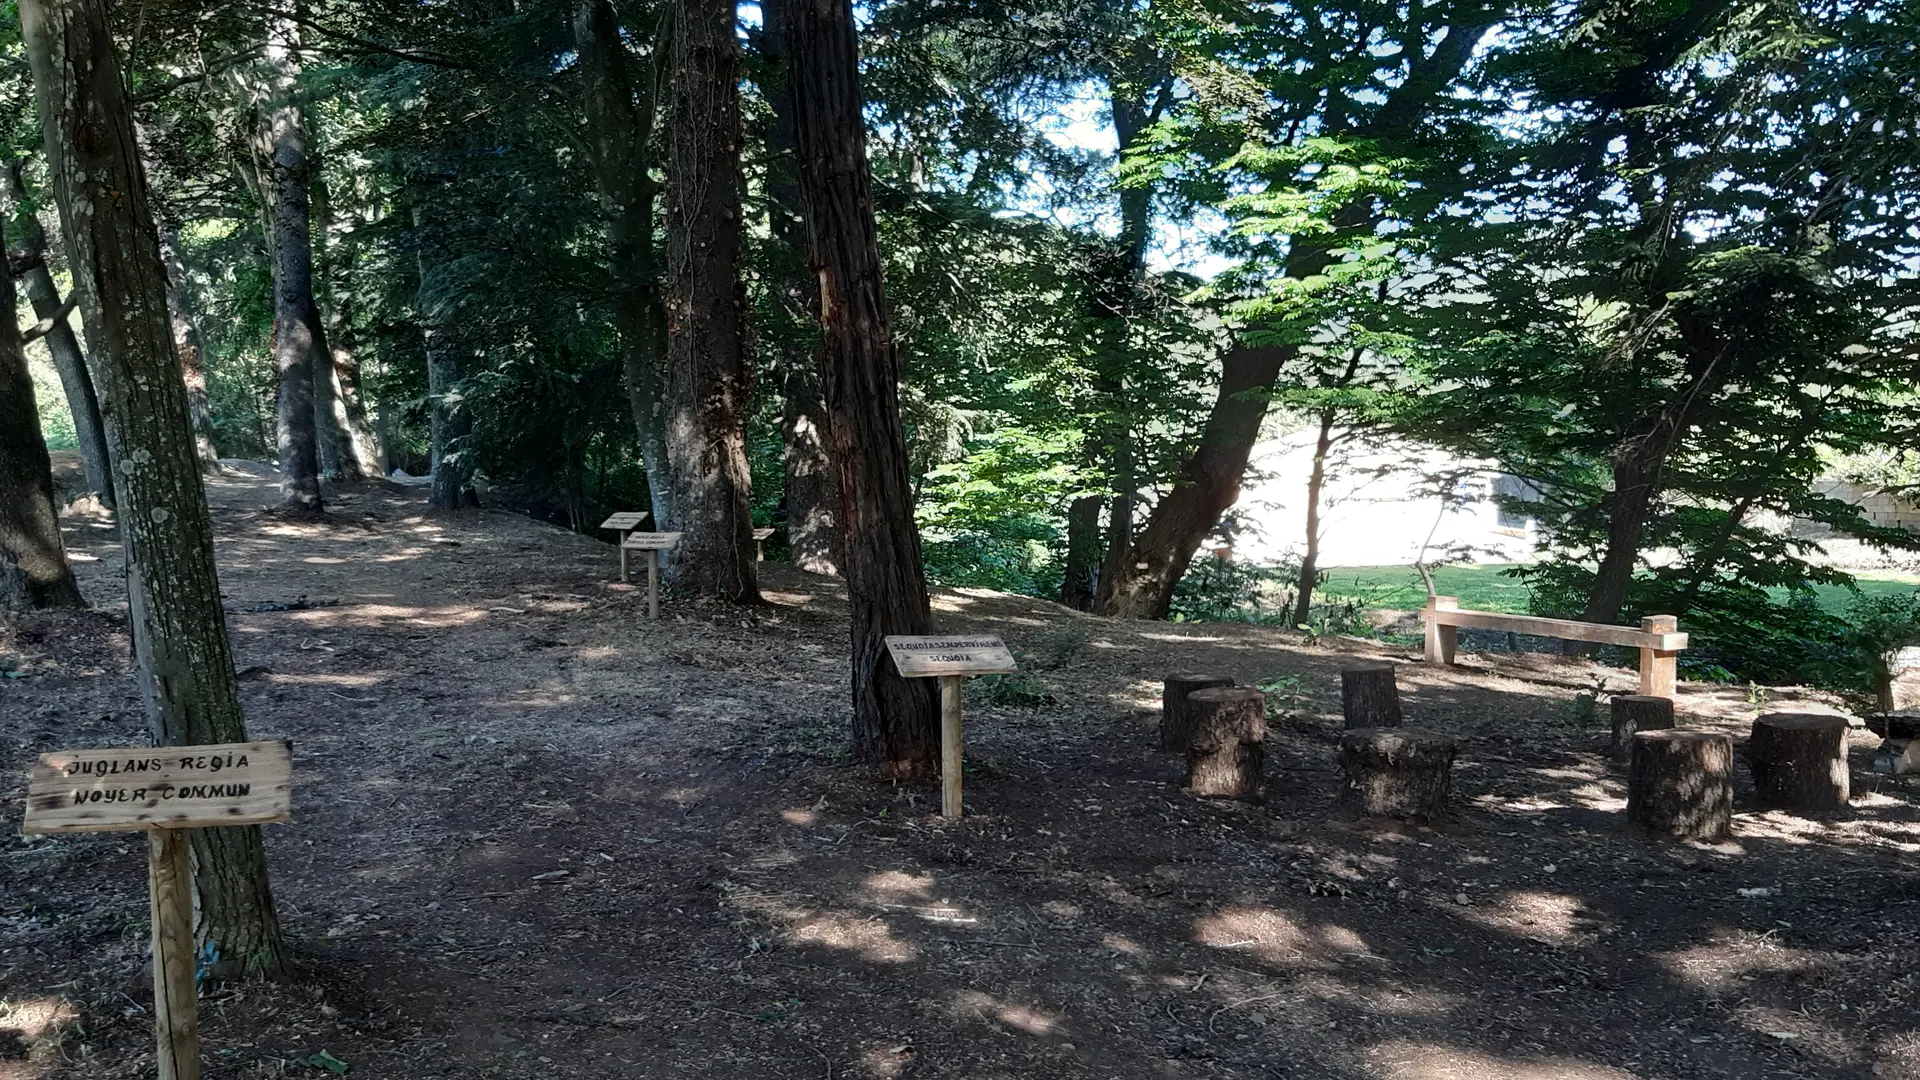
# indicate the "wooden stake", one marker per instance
pixel 623 558
pixel 1441 640
pixel 1659 668
pixel 175 1009
pixel 950 691
pixel 653 583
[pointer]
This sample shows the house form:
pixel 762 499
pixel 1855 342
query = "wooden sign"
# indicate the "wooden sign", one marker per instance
pixel 178 787
pixel 920 657
pixel 625 520
pixel 650 541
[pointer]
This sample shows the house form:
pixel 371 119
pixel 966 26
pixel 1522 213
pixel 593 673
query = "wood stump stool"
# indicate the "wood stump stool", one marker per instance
pixel 1396 772
pixel 1176 719
pixel 1638 712
pixel 1368 695
pixel 1227 751
pixel 1799 760
pixel 1680 783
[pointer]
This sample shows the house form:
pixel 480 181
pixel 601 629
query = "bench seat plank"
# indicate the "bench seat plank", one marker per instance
pixel 1567 629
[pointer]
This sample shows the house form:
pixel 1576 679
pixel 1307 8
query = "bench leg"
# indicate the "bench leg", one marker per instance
pixel 1441 641
pixel 1659 669
pixel 653 584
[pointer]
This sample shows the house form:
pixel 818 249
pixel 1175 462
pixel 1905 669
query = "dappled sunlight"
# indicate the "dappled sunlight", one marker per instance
pixel 370 615
pixel 1275 938
pixel 1549 917
pixel 1741 956
pixel 1009 1015
pixel 1403 1059
pixel 35 1018
pixel 357 682
pixel 865 936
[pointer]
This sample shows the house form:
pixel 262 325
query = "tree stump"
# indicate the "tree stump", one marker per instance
pixel 1680 783
pixel 1227 752
pixel 1396 772
pixel 1638 712
pixel 1799 760
pixel 1176 718
pixel 1368 695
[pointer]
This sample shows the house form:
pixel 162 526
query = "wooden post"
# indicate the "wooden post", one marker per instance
pixel 653 583
pixel 175 1008
pixel 623 558
pixel 950 746
pixel 1442 641
pixel 1659 668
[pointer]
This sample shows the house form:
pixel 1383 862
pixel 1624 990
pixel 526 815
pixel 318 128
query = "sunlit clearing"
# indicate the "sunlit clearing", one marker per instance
pixel 1402 1060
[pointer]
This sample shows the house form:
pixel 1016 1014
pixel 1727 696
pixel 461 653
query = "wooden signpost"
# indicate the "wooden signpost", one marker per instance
pixel 653 544
pixel 163 791
pixel 760 538
pixel 624 523
pixel 949 659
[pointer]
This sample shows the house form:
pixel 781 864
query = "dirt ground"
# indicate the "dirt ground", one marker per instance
pixel 537 835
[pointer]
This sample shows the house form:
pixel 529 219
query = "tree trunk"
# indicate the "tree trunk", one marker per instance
pixel 1227 749
pixel 709 384
pixel 335 262
pixel 1799 761
pixel 1310 561
pixel 450 481
pixel 1080 576
pixel 1176 714
pixel 809 495
pixel 34 572
pixel 620 117
pixel 173 592
pixel 1369 696
pixel 345 444
pixel 68 360
pixel 299 342
pixel 1396 772
pixel 192 349
pixel 895 720
pixel 1680 783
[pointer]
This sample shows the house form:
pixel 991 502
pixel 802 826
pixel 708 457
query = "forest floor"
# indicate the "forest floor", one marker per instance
pixel 536 835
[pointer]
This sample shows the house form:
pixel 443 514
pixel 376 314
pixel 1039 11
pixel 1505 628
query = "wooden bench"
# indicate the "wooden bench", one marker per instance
pixel 624 523
pixel 1659 638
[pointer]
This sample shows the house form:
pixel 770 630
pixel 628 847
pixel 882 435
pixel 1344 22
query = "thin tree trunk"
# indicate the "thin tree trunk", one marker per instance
pixel 299 341
pixel 1116 299
pixel 34 572
pixel 709 382
pixel 450 485
pixel 1310 561
pixel 192 349
pixel 173 591
pixel 809 494
pixel 62 344
pixel 895 720
pixel 346 443
pixel 1083 552
pixel 620 117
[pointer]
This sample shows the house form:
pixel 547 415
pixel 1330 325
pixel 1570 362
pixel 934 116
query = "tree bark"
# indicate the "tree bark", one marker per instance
pixel 1369 696
pixel 1310 560
pixel 450 483
pixel 1396 772
pixel 1634 713
pixel 709 383
pixel 1799 761
pixel 1176 714
pixel 192 349
pixel 895 720
pixel 620 117
pixel 1227 750
pixel 34 572
pixel 1079 578
pixel 1680 783
pixel 173 591
pixel 75 380
pixel 299 341
pixel 345 441
pixel 809 496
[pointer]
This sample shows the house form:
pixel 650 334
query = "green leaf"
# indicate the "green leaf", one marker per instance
pixel 324 1060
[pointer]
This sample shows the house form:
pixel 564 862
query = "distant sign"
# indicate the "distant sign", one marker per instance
pixel 650 541
pixel 919 657
pixel 625 520
pixel 173 786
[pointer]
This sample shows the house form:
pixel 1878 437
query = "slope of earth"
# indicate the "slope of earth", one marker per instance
pixel 539 835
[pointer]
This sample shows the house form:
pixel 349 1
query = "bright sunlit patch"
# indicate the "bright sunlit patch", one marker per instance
pixel 35 1018
pixel 872 939
pixel 802 818
pixel 1405 1060
pixel 894 884
pixel 1009 1014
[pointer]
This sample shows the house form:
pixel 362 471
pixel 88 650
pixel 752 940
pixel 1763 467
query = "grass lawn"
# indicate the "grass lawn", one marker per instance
pixel 1485 587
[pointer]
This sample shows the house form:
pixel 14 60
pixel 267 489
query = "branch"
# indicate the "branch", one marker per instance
pixel 154 93
pixel 45 326
pixel 32 260
pixel 360 42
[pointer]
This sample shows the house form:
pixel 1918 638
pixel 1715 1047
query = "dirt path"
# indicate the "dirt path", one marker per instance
pixel 539 836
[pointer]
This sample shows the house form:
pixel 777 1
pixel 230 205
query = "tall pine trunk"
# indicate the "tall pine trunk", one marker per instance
pixel 173 591
pixel 192 349
pixel 450 482
pixel 339 408
pixel 1083 552
pixel 34 572
pixel 894 719
pixel 709 383
pixel 809 495
pixel 299 341
pixel 75 380
pixel 620 116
